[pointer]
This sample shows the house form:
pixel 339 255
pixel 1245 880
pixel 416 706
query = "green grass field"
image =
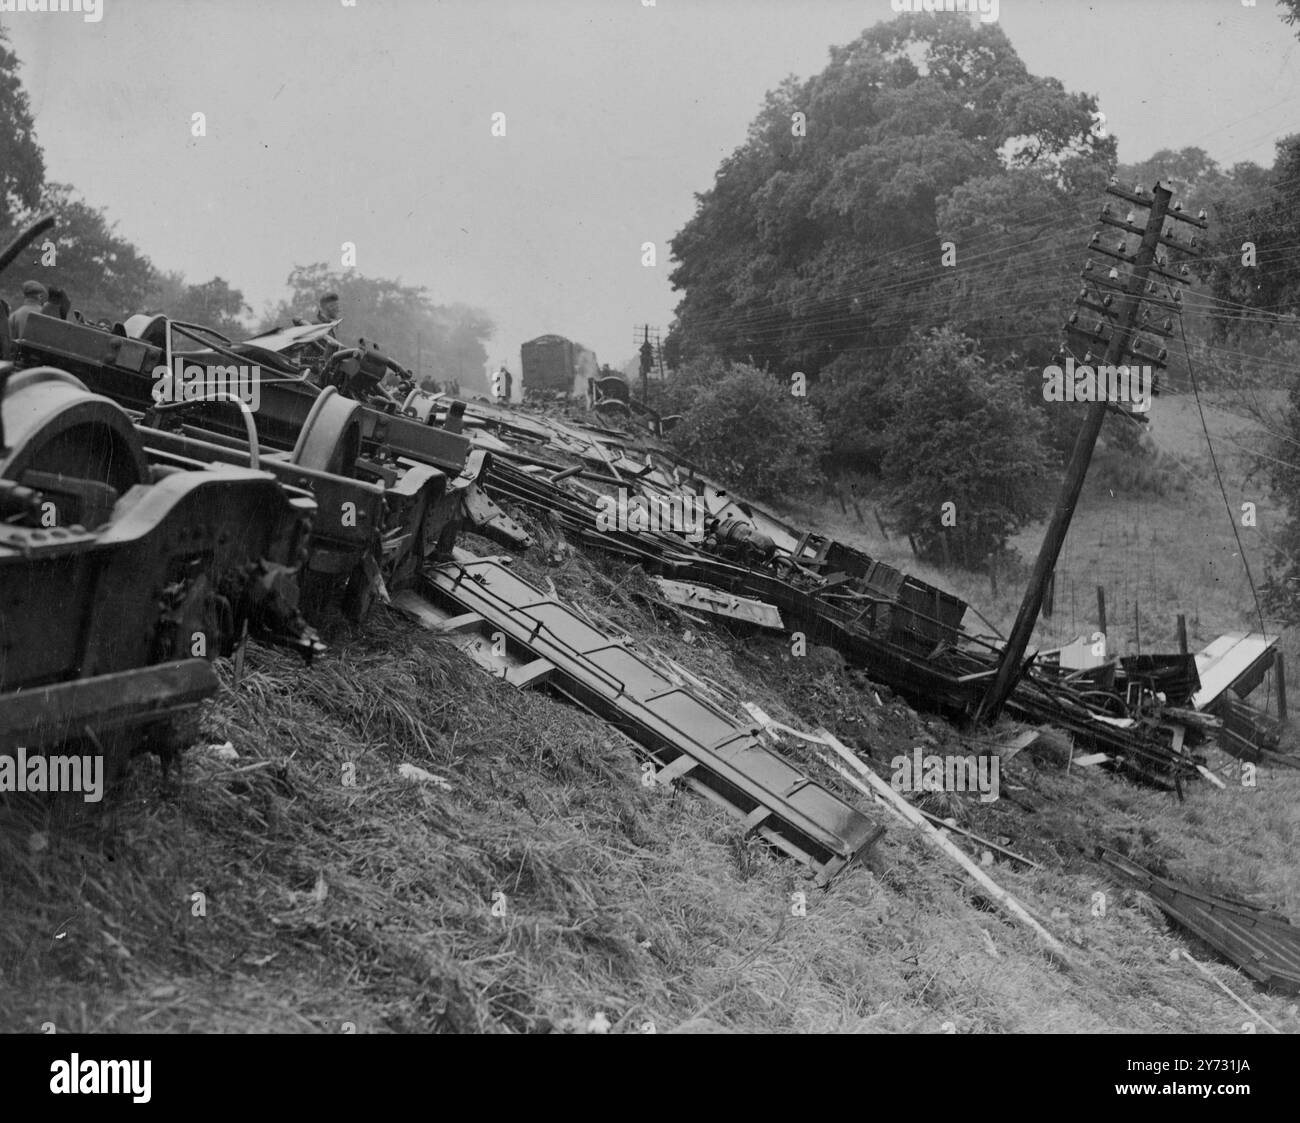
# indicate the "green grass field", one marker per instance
pixel 1159 541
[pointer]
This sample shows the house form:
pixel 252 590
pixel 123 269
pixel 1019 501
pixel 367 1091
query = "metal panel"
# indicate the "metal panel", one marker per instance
pixel 286 400
pixel 704 599
pixel 1235 661
pixel 667 719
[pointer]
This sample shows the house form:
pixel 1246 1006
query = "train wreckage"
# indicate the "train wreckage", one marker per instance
pixel 175 526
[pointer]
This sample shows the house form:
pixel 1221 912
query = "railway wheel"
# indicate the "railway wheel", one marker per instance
pixel 330 438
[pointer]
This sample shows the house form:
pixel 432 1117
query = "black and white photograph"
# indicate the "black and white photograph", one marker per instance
pixel 734 517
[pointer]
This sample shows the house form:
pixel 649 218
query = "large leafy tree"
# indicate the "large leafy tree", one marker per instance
pixel 104 274
pixel 809 247
pixel 213 303
pixel 1262 211
pixel 1255 327
pixel 22 164
pixel 1291 13
pixel 962 434
pixel 1282 587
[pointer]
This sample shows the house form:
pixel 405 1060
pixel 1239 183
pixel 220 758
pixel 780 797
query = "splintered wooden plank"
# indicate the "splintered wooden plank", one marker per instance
pixel 1089 760
pixel 703 599
pixel 419 609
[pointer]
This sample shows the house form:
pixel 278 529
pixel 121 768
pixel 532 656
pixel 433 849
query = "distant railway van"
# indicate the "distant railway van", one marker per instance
pixel 552 365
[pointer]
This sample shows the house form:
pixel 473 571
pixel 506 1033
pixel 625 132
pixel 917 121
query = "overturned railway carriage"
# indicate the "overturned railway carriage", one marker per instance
pixel 392 489
pixel 325 442
pixel 119 577
pixel 907 634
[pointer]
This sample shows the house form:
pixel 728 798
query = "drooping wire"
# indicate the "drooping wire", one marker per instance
pixel 1214 460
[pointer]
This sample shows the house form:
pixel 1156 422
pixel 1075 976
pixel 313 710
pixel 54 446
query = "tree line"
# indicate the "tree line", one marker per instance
pixel 905 231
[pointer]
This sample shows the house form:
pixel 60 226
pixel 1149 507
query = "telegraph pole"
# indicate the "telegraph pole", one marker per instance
pixel 1125 303
pixel 647 353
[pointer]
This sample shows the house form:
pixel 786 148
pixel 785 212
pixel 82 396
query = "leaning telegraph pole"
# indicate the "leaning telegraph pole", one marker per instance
pixel 1122 300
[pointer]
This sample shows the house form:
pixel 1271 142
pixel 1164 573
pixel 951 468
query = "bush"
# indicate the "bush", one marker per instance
pixel 964 435
pixel 856 403
pixel 745 427
pixel 1282 583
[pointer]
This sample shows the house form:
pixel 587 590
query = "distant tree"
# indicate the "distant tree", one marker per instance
pixel 1282 583
pixel 213 303
pixel 1193 176
pixel 962 435
pixel 103 273
pixel 1258 330
pixel 447 341
pixel 857 403
pixel 1267 215
pixel 745 427
pixel 458 346
pixel 1291 13
pixel 22 164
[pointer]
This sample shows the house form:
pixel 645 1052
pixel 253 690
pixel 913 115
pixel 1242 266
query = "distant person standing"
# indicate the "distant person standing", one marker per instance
pixel 34 299
pixel 326 312
pixel 504 383
pixel 327 309
pixel 58 304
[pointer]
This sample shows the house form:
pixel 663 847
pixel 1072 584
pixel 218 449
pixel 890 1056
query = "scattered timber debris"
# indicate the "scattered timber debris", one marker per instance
pixel 391 474
pixel 1265 945
pixel 700 597
pixel 740 561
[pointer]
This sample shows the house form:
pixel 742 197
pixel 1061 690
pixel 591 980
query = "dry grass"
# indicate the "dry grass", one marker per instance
pixel 371 905
pixel 328 906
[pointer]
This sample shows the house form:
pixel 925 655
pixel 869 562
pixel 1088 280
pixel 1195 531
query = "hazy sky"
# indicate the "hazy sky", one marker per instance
pixel 372 124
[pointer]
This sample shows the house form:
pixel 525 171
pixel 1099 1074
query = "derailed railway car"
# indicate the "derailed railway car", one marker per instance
pixel 393 490
pixel 553 366
pixel 122 577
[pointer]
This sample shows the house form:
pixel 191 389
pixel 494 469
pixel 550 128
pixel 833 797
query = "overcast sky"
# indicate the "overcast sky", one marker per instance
pixel 372 124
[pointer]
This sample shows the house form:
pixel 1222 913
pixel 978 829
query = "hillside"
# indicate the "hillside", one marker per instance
pixel 335 908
